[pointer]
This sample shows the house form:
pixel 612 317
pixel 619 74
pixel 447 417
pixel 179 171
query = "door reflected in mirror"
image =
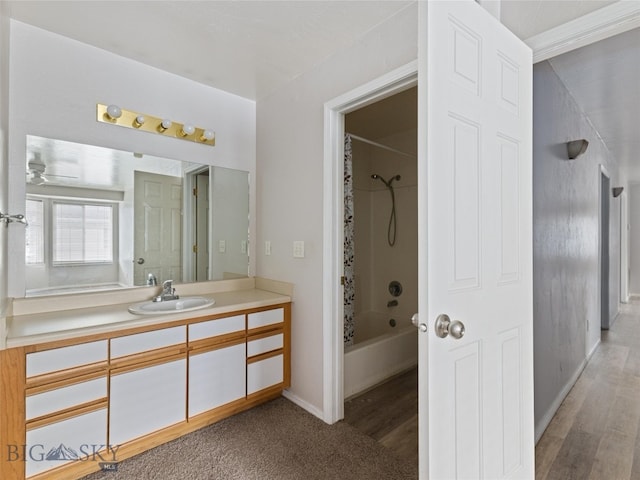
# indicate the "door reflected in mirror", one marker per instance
pixel 101 218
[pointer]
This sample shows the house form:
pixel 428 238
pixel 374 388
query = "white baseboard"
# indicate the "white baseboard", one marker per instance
pixel 312 409
pixel 544 422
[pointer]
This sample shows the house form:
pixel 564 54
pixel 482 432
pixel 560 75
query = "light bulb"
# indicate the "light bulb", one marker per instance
pixel 139 121
pixel 165 124
pixel 114 112
pixel 188 130
pixel 207 135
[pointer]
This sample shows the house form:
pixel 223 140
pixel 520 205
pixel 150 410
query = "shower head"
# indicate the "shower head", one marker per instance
pixel 375 176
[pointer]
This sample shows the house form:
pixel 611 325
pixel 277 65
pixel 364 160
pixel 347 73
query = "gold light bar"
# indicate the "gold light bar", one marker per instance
pixel 141 121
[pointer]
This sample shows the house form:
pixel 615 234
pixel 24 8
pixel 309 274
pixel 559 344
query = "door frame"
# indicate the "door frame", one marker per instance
pixel 624 248
pixel 603 173
pixel 189 221
pixel 388 84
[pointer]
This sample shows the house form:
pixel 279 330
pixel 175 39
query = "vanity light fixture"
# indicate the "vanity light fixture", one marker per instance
pixel 207 136
pixel 164 125
pixel 114 112
pixel 139 121
pixel 187 130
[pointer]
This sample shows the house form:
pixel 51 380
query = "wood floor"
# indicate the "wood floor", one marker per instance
pixel 595 433
pixel 389 414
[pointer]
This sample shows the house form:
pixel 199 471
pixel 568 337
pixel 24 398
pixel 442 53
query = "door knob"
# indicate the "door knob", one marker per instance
pixel 140 261
pixel 444 327
pixel 416 323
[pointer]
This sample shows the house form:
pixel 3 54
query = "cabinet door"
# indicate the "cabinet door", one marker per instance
pixel 216 377
pixel 65 441
pixel 146 400
pixel 265 373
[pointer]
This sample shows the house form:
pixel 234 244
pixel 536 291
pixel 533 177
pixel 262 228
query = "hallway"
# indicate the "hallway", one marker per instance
pixel 595 433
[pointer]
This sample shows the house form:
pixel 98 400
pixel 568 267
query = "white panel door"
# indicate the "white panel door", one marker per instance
pixel 475 115
pixel 157 227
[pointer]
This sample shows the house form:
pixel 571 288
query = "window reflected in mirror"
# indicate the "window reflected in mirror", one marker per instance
pixel 100 218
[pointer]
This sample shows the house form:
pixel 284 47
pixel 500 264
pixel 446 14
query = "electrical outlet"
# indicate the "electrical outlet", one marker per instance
pixel 298 249
pixel 267 247
pixel 243 246
pixel 222 246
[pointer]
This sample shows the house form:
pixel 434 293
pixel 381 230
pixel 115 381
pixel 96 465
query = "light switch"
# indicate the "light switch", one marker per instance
pixel 243 246
pixel 267 247
pixel 298 249
pixel 222 246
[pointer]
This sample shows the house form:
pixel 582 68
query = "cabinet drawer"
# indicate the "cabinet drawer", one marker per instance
pixel 267 317
pixel 266 344
pixel 62 358
pixel 55 444
pixel 213 328
pixel 141 342
pixel 65 397
pixel 265 373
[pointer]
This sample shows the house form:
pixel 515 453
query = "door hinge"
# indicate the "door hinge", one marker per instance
pixel 195 192
pixel 195 249
pixel 342 280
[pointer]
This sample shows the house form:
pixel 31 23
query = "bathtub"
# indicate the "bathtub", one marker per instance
pixel 379 352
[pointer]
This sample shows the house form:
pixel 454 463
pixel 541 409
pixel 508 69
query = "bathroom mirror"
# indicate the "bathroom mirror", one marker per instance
pixel 101 219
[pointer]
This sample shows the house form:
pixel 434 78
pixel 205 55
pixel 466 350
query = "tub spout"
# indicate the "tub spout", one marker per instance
pixel 392 303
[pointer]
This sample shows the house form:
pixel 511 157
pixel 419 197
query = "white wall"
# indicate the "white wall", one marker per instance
pixel 4 161
pixel 56 83
pixel 566 229
pixel 290 177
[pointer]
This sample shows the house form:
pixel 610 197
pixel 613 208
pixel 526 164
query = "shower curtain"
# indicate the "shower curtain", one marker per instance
pixel 349 286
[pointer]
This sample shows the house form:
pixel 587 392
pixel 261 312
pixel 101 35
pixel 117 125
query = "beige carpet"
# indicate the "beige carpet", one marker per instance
pixel 275 441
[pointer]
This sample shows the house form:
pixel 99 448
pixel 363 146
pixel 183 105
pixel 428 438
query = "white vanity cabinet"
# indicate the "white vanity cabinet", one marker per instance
pixel 148 383
pixel 77 403
pixel 217 373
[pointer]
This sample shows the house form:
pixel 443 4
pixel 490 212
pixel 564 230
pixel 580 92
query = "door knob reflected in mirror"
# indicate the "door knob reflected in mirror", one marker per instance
pixel 445 327
pixel 140 261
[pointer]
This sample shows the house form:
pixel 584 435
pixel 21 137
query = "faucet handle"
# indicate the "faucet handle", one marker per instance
pixel 167 283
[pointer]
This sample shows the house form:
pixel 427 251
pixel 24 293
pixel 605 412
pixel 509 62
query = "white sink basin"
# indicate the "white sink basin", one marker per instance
pixel 183 304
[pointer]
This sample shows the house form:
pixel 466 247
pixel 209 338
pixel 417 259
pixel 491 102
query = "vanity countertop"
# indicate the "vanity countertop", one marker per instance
pixel 46 326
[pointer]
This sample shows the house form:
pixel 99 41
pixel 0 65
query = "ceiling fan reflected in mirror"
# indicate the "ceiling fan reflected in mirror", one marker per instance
pixel 36 172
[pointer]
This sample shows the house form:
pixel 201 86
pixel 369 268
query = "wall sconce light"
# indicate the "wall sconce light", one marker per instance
pixel 576 148
pixel 617 191
pixel 114 115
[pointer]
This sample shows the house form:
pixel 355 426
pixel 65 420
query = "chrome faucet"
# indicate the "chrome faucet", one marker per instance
pixel 152 280
pixel 168 292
